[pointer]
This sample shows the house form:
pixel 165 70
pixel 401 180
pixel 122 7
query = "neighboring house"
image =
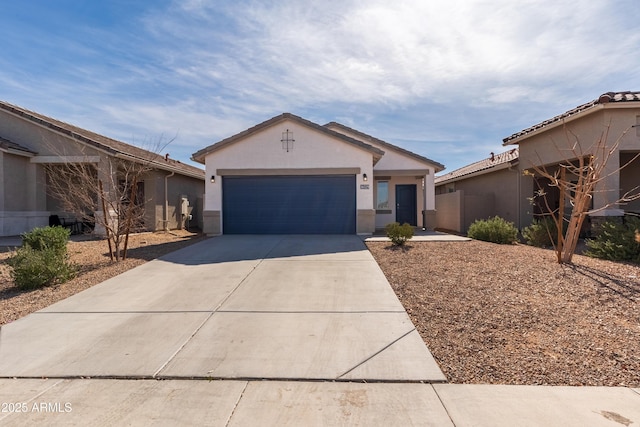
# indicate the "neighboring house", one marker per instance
pixel 288 175
pixel 499 185
pixel 613 115
pixel 478 191
pixel 29 141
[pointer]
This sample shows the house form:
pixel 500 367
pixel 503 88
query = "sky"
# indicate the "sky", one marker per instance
pixel 445 79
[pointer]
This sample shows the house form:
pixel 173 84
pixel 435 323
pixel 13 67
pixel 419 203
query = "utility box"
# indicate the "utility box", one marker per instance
pixel 184 205
pixel 185 212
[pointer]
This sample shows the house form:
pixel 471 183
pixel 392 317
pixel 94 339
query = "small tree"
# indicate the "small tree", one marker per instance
pixel 82 189
pixel 587 167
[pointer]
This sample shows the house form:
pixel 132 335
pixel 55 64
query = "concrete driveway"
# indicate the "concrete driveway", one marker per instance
pixel 258 330
pixel 232 307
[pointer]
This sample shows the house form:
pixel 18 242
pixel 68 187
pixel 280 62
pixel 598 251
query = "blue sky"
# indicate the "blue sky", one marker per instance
pixel 445 79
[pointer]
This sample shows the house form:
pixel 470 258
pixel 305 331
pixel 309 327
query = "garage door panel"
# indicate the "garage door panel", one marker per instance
pixel 289 205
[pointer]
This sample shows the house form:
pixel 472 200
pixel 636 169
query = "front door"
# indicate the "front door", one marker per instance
pixel 406 204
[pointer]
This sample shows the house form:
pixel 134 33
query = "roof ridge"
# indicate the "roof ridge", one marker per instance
pixel 100 141
pixel 605 98
pixel 481 165
pixel 386 144
pixel 272 121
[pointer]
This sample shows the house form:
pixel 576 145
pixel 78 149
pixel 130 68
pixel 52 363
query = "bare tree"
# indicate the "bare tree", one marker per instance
pixel 577 177
pixel 105 194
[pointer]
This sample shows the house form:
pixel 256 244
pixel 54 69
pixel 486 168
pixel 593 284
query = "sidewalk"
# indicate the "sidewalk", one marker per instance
pixel 100 402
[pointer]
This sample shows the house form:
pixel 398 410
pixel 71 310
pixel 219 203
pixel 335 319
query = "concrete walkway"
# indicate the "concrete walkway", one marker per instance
pixel 257 330
pixel 421 236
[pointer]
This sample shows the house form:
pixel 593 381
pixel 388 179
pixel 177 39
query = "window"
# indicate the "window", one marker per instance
pixel 382 191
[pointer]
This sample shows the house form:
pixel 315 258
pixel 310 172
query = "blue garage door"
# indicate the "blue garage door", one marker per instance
pixel 289 204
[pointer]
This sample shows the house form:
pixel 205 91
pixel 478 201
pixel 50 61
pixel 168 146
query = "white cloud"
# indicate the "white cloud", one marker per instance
pixel 293 53
pixel 460 70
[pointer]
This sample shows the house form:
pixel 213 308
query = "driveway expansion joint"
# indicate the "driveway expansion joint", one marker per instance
pixel 377 353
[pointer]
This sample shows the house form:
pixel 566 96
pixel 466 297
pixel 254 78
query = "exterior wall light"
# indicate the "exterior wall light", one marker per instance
pixel 364 177
pixel 213 179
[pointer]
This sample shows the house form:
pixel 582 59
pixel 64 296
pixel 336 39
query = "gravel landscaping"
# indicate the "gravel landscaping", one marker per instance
pixel 92 258
pixel 509 314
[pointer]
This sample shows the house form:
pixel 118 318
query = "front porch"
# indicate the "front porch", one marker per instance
pixel 616 193
pixel 404 197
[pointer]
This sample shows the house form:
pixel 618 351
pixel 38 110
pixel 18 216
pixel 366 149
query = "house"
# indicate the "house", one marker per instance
pixel 29 142
pixel 613 116
pixel 289 175
pixel 480 190
pixel 499 185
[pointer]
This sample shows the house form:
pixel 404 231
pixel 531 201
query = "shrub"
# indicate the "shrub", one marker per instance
pixel 495 230
pixel 616 241
pixel 55 238
pixel 541 233
pixel 42 260
pixel 399 234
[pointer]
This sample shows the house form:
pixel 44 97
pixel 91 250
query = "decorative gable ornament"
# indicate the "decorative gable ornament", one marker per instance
pixel 287 140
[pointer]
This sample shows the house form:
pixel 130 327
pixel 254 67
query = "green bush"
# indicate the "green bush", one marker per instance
pixel 42 260
pixel 616 241
pixel 495 230
pixel 54 238
pixel 541 233
pixel 399 234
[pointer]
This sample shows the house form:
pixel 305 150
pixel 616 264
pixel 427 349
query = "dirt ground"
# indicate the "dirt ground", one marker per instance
pixel 509 314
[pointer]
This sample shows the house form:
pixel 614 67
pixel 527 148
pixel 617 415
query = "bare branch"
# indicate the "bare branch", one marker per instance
pixel 589 168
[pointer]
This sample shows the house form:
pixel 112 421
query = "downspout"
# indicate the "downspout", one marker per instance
pixel 166 201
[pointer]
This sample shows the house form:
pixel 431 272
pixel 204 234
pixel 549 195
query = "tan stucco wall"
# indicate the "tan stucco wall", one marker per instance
pixel 15 171
pixel 24 180
pixel 630 180
pixel 42 140
pixel 382 219
pixel 485 196
pixel 450 211
pixel 553 145
pixel 177 186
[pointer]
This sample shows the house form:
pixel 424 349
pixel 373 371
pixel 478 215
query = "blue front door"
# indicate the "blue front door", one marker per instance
pixel 406 204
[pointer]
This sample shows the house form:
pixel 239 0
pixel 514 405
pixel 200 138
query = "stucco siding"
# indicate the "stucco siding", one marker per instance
pixel 15 173
pixel 177 186
pixel 485 196
pixel 610 121
pixel 630 180
pixel 450 211
pixel 310 150
pixel 382 218
pixel 40 139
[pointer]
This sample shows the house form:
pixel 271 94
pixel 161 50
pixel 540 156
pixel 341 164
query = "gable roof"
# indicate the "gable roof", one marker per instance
pixel 200 155
pixel 10 146
pixel 385 144
pixel 103 143
pixel 605 98
pixel 490 164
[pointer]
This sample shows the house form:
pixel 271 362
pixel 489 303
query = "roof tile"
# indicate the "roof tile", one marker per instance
pixel 605 98
pixel 482 165
pixel 102 142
